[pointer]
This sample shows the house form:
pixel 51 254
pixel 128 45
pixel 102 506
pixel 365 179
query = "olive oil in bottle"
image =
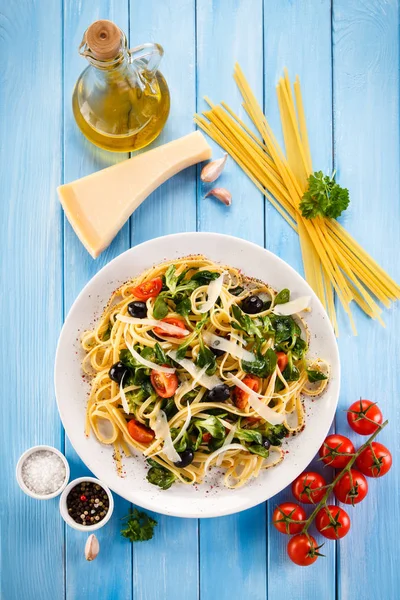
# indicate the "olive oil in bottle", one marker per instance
pixel 121 101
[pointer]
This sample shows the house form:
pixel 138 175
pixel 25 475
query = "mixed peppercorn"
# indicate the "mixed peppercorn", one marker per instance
pixel 87 503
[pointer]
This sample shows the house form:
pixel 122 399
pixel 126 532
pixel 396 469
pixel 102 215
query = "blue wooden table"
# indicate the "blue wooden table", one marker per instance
pixel 347 55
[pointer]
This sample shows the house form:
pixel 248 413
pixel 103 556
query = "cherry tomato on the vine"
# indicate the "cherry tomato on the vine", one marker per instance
pixel 375 460
pixel 336 451
pixel 351 488
pixel 306 487
pixel 303 550
pixel 364 417
pixel 332 522
pixel 284 513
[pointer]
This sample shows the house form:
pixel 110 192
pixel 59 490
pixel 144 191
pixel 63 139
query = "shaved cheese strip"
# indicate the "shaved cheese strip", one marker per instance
pixel 227 441
pixel 124 401
pixel 220 450
pixel 261 409
pixel 185 425
pixel 161 429
pixel 232 348
pixel 147 363
pixel 213 291
pixel 167 327
pixel 292 307
pixel 205 380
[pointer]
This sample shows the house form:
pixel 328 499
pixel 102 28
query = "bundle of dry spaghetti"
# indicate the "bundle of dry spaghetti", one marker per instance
pixel 333 260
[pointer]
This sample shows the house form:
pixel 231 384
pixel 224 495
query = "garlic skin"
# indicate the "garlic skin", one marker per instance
pixel 213 170
pixel 222 194
pixel 92 547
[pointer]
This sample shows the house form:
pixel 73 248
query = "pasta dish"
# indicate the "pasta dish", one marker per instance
pixel 197 366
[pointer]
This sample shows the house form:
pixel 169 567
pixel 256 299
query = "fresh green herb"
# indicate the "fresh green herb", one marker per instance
pixel 127 359
pixel 258 449
pixel 314 375
pixel 275 434
pixel 282 297
pixel 213 425
pixel 248 435
pixel 160 356
pixel 291 372
pixel 236 291
pixel 285 328
pixel 215 444
pixel 245 322
pixel 169 407
pixel 160 309
pixel 263 365
pixel 139 526
pixel 181 351
pixel 324 197
pixel 299 349
pixel 106 335
pixel 170 279
pixel 183 443
pixel 184 307
pixel 204 277
pixel 160 476
pixel 206 357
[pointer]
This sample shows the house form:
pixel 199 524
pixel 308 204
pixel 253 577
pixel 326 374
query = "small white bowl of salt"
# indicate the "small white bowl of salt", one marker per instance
pixel 42 472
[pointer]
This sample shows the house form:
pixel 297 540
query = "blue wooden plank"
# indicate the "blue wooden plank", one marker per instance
pixel 81 158
pixel 234 545
pixel 298 35
pixel 170 209
pixel 30 266
pixel 366 125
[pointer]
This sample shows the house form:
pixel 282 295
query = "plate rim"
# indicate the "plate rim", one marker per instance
pixel 249 503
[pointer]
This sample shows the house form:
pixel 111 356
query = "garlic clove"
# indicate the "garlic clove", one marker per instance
pixel 213 169
pixel 222 194
pixel 92 547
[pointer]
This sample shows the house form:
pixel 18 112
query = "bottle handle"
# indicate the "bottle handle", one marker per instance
pixel 148 57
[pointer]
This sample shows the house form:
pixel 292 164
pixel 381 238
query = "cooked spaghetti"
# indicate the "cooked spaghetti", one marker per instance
pixel 195 365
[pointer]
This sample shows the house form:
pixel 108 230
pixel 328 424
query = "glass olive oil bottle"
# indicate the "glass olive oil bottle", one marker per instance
pixel 121 101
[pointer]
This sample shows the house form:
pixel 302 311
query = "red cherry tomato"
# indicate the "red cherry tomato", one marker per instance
pixel 364 417
pixel 239 396
pixel 332 449
pixel 284 513
pixel 282 360
pixel 207 437
pixel 332 522
pixel 375 460
pixel 307 487
pixel 303 550
pixel 148 289
pixel 165 384
pixel 139 432
pixel 351 488
pixel 172 321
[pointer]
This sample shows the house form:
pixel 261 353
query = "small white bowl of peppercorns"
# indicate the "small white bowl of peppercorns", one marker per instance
pixel 86 504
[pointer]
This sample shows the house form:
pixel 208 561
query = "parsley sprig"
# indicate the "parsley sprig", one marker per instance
pixel 139 526
pixel 324 197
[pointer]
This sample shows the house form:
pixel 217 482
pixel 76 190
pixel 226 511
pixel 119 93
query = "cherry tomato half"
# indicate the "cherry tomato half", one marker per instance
pixel 284 513
pixel 332 522
pixel 207 437
pixel 364 417
pixel 239 396
pixel 139 432
pixel 375 460
pixel 165 384
pixel 303 550
pixel 333 448
pixel 351 488
pixel 282 360
pixel 148 289
pixel 307 487
pixel 172 321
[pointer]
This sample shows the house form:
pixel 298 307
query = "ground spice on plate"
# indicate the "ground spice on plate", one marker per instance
pixel 87 503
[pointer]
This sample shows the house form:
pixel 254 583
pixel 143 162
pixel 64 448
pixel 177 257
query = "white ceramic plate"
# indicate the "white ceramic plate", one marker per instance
pixel 209 499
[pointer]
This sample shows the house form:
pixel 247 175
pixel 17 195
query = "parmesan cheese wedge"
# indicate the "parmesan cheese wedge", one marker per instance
pixel 97 206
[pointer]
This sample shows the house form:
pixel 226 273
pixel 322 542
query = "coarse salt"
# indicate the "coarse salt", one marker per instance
pixel 43 472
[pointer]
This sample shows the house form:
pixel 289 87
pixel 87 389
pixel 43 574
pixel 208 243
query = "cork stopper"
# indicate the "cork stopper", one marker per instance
pixel 104 39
